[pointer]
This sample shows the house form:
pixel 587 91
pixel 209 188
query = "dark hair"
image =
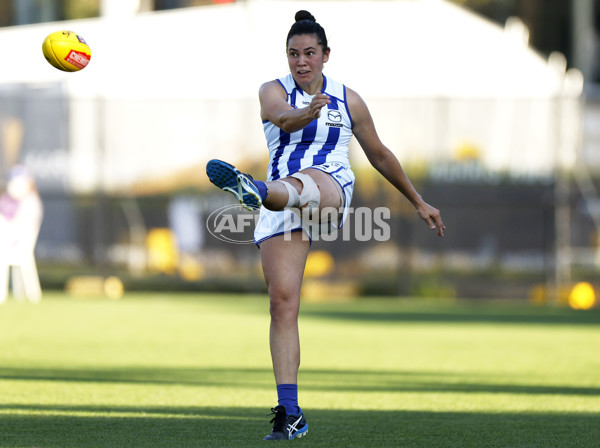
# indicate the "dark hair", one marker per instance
pixel 307 24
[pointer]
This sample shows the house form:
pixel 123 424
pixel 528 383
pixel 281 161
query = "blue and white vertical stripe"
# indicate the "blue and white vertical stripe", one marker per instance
pixel 322 141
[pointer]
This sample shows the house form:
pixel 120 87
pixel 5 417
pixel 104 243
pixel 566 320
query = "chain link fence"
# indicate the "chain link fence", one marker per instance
pixel 125 194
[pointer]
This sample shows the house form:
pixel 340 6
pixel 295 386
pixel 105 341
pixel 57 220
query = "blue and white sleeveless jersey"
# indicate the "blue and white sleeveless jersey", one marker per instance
pixel 324 140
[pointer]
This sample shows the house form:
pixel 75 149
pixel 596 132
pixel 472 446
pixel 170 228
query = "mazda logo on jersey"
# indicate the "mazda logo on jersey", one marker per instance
pixel 335 116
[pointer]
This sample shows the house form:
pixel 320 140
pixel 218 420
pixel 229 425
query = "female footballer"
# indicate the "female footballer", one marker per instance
pixel 308 122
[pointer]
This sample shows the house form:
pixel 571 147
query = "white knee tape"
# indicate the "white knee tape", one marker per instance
pixel 310 196
pixel 293 196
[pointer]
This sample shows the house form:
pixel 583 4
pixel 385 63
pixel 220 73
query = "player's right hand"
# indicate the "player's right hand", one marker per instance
pixel 319 101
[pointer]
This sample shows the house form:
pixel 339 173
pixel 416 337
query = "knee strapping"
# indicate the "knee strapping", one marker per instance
pixel 309 197
pixel 293 196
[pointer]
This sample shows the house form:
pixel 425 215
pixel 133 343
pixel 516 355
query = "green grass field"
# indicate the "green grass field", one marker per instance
pixel 176 370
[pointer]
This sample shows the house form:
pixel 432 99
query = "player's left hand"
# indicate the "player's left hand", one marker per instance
pixel 432 217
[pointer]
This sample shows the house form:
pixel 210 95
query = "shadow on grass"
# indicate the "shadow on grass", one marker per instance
pixel 311 379
pixel 461 314
pixel 47 426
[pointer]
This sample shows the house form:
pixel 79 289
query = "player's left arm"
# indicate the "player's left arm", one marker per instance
pixel 384 161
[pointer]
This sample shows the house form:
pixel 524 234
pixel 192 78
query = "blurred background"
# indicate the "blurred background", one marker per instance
pixel 492 106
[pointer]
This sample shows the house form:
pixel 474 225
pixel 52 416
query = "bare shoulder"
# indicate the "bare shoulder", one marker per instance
pixel 351 95
pixel 273 87
pixel 358 107
pixel 273 101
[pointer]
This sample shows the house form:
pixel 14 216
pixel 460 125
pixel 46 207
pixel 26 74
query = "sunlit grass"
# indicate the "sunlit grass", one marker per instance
pixel 172 370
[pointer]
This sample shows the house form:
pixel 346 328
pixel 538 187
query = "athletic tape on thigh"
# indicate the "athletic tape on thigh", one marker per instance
pixel 310 196
pixel 293 196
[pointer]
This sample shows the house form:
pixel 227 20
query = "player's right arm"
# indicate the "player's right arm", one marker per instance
pixel 275 108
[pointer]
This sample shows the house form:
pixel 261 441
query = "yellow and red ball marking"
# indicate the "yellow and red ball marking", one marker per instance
pixel 67 51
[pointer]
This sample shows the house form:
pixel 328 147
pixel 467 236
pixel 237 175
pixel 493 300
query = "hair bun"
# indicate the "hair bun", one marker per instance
pixel 304 15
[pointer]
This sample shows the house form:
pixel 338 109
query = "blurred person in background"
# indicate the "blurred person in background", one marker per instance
pixel 21 213
pixel 20 208
pixel 308 121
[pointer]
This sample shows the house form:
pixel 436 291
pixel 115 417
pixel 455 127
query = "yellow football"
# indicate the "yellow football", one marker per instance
pixel 66 51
